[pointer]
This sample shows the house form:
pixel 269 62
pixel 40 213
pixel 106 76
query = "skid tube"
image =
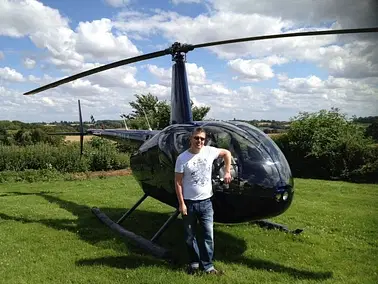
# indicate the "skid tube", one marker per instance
pixel 148 245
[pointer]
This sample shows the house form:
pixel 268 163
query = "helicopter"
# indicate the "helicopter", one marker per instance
pixel 262 185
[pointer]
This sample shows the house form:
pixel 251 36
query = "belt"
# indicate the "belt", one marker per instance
pixel 196 201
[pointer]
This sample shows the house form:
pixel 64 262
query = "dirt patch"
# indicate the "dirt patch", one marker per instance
pixel 76 138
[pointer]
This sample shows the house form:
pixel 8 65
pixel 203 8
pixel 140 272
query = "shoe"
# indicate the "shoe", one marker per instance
pixel 192 271
pixel 215 272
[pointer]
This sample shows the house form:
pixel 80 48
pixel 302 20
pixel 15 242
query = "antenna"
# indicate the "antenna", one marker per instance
pixel 124 120
pixel 145 115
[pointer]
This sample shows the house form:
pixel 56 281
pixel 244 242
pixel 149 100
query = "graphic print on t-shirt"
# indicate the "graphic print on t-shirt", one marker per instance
pixel 199 174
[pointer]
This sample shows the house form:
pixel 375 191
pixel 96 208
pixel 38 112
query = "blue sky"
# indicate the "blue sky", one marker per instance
pixel 41 41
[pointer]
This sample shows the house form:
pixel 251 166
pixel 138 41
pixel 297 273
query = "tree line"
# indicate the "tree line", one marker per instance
pixel 324 144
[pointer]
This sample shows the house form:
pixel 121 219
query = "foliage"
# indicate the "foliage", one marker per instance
pixel 199 113
pixel 368 172
pixel 5 137
pixel 368 119
pixel 372 130
pixel 63 158
pixel 24 137
pixel 326 145
pixel 157 112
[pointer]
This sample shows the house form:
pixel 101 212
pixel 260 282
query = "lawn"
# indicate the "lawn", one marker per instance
pixel 49 235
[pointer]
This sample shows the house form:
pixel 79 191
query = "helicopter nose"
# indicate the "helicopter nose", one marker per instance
pixel 273 183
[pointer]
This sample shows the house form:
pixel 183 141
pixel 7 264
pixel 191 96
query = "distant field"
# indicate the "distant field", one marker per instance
pixel 49 235
pixel 75 138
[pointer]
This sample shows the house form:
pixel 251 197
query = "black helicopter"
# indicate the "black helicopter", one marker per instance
pixel 262 184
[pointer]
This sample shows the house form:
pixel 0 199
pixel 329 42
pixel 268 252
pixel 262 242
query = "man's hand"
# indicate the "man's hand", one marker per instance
pixel 183 210
pixel 227 177
pixel 226 155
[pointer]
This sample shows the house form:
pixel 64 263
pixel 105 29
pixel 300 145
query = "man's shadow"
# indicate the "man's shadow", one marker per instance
pixel 228 249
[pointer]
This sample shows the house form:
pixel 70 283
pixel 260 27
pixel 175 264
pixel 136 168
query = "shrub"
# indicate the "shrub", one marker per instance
pixel 368 172
pixel 326 145
pixel 63 158
pixel 372 130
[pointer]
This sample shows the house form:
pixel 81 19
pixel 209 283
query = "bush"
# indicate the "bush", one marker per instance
pixel 368 172
pixel 372 130
pixel 63 158
pixel 326 145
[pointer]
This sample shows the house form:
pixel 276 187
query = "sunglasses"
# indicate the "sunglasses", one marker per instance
pixel 199 138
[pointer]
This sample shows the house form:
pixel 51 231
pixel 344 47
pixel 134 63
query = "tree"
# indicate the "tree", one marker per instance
pixel 23 137
pixel 199 113
pixel 157 112
pixel 4 137
pixel 372 130
pixel 324 145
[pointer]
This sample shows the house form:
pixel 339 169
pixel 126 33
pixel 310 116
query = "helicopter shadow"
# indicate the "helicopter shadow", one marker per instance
pixel 228 249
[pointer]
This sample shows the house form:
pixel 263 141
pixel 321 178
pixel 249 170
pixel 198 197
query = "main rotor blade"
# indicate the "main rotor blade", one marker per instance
pixel 313 33
pixel 99 69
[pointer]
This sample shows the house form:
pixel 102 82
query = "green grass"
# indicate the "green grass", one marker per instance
pixel 49 235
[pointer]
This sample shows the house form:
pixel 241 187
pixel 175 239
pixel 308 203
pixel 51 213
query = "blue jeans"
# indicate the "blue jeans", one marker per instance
pixel 200 252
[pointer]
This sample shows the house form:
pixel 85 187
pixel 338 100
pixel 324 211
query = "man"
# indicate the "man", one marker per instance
pixel 194 190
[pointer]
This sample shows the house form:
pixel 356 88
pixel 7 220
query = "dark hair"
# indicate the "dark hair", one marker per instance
pixel 198 130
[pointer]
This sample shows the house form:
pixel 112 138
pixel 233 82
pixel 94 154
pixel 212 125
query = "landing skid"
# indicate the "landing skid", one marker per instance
pixel 148 245
pixel 270 225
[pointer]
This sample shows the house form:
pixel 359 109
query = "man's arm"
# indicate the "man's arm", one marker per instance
pixel 226 155
pixel 180 196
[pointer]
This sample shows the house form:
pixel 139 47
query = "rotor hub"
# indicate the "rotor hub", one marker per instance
pixel 179 50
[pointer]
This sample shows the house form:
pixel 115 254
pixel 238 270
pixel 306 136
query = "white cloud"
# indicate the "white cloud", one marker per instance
pixel 176 2
pixel 311 84
pixel 124 76
pixel 203 28
pixel 349 65
pixel 45 27
pixel 164 75
pixel 48 101
pixel 117 3
pixel 196 75
pixel 354 96
pixel 48 30
pixel 86 88
pixel 353 60
pixel 211 90
pixel 232 20
pixel 9 74
pixel 46 79
pixel 95 40
pixel 29 63
pixel 21 18
pixel 255 70
pixel 1 55
pixel 162 92
pixel 349 13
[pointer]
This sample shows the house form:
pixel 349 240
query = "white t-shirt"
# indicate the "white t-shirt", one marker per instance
pixel 196 184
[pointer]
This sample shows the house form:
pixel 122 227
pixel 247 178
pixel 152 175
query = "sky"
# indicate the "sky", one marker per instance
pixel 43 41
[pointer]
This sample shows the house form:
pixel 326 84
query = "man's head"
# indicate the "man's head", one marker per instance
pixel 197 139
